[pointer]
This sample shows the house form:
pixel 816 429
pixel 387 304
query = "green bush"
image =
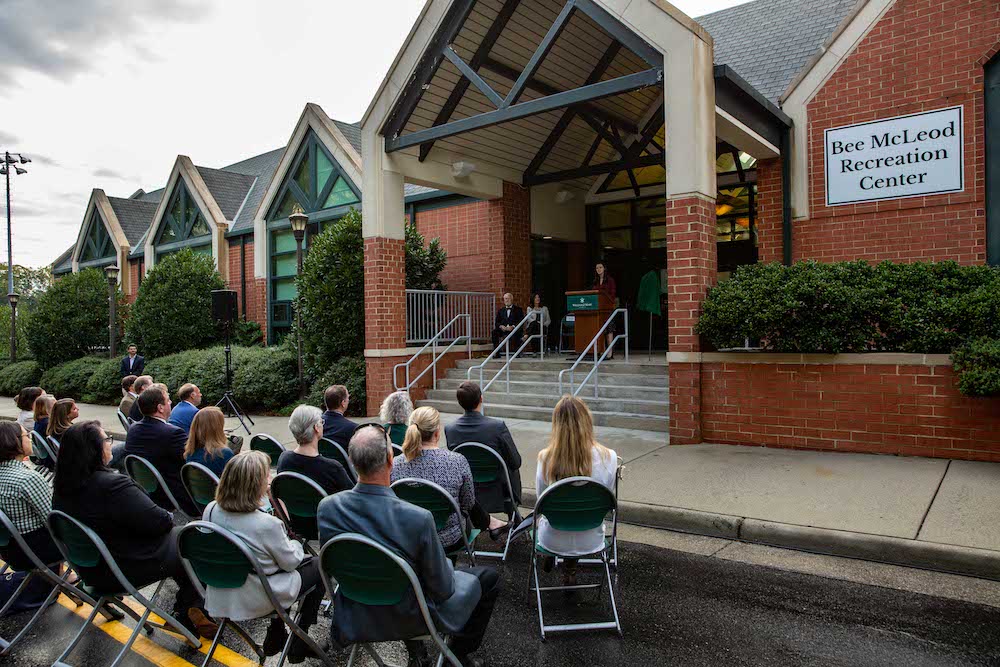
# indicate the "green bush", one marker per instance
pixel 23 317
pixel 173 307
pixel 247 333
pixel 424 263
pixel 266 378
pixel 104 386
pixel 348 371
pixel 70 319
pixel 977 364
pixel 15 377
pixel 70 379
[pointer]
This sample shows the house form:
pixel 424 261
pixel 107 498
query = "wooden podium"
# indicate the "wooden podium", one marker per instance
pixel 591 309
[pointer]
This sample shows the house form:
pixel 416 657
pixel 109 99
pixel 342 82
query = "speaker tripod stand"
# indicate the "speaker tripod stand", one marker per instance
pixel 228 403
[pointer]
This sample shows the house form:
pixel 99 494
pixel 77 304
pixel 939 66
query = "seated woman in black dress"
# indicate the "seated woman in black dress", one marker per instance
pixel 26 499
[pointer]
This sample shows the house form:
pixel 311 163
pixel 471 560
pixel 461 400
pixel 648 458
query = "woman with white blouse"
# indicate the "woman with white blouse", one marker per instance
pixel 540 319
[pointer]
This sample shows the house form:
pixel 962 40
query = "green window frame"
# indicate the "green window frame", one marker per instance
pixel 183 225
pixel 98 248
pixel 992 124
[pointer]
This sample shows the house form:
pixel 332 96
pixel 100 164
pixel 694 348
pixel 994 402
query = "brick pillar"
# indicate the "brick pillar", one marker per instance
pixel 769 233
pixel 509 220
pixel 385 314
pixel 691 270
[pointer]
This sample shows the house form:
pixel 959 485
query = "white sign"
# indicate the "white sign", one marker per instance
pixel 907 156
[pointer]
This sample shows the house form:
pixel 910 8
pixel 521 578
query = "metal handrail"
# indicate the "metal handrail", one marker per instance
pixel 597 361
pixel 505 344
pixel 435 356
pixel 424 308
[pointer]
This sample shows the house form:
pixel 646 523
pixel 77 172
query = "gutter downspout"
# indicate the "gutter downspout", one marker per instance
pixel 786 195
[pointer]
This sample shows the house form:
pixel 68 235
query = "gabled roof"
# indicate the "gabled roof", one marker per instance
pixel 351 132
pixel 134 216
pixel 228 188
pixel 64 262
pixel 261 167
pixel 768 42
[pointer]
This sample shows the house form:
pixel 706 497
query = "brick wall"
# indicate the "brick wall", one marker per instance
pixel 256 288
pixel 922 55
pixel 133 276
pixel 769 238
pixel 887 408
pixel 385 313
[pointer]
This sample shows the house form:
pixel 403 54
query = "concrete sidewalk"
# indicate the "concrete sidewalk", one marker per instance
pixel 931 513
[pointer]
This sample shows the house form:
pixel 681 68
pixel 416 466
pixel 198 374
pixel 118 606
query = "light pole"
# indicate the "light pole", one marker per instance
pixel 8 161
pixel 12 298
pixel 299 220
pixel 112 273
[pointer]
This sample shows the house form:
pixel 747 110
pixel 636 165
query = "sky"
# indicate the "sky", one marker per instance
pixel 106 93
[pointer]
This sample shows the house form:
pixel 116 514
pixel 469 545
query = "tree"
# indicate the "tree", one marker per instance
pixel 424 264
pixel 173 307
pixel 29 284
pixel 70 319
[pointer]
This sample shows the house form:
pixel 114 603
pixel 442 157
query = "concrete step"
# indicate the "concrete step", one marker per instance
pixel 618 420
pixel 552 377
pixel 631 405
pixel 652 392
pixel 637 366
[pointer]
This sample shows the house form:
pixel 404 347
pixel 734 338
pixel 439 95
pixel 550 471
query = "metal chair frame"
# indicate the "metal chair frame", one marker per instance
pixel 456 510
pixel 53 446
pixel 333 445
pixel 142 622
pixel 562 330
pixel 41 450
pixel 281 510
pixel 292 624
pixel 125 421
pixel 396 450
pixel 513 516
pixel 45 445
pixel 603 556
pixel 133 460
pixel 272 439
pixel 193 468
pixel 439 639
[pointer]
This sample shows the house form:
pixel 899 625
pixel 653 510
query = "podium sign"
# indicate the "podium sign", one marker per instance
pixel 581 302
pixel 590 309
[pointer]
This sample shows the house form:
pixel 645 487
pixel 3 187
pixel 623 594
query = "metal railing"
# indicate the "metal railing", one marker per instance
pixel 435 355
pixel 428 310
pixel 595 371
pixel 505 346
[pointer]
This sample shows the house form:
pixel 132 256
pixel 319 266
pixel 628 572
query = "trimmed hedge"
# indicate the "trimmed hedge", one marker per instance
pixel 70 380
pixel 15 377
pixel 350 372
pixel 977 364
pixel 104 386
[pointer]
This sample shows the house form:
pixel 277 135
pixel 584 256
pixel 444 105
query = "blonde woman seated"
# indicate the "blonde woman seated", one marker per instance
pixel 424 459
pixel 243 484
pixel 572 452
pixel 395 415
pixel 206 443
pixel 42 409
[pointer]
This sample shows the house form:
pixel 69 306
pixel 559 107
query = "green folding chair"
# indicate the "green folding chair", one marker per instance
pixel 215 557
pixel 368 573
pixel 332 450
pixel 397 433
pixel 83 549
pixel 297 504
pixel 125 421
pixel 41 453
pixel 488 467
pixel 200 484
pixel 262 442
pixel 149 480
pixel 441 505
pixel 576 504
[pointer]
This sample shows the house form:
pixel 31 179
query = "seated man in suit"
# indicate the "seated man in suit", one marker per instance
pixel 188 400
pixel 161 444
pixel 139 386
pixel 336 426
pixel 461 601
pixel 474 426
pixel 128 396
pixel 508 317
pixel 133 363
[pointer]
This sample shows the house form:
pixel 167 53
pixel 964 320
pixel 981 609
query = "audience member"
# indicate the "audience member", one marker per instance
pixel 161 444
pixel 26 499
pixel 128 396
pixel 508 317
pixel 461 601
pixel 61 418
pixel 206 443
pixel 235 508
pixel 336 426
pixel 474 426
pixel 141 382
pixel 395 415
pixel 139 534
pixel 603 282
pixel 188 400
pixel 424 460
pixel 133 363
pixel 572 452
pixel 306 426
pixel 42 411
pixel 540 321
pixel 25 402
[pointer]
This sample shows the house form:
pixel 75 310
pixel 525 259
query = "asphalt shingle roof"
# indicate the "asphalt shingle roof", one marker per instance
pixel 262 168
pixel 134 215
pixel 768 42
pixel 352 131
pixel 228 188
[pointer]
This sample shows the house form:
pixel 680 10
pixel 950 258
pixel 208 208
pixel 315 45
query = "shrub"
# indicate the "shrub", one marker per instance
pixel 247 333
pixel 350 372
pixel 70 319
pixel 977 364
pixel 70 379
pixel 104 386
pixel 23 316
pixel 173 307
pixel 424 264
pixel 15 377
pixel 266 378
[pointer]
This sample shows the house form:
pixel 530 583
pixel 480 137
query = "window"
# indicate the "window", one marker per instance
pixel 97 243
pixel 183 225
pixel 315 183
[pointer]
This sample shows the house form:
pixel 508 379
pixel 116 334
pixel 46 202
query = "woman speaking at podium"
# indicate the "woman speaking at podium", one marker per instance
pixel 603 282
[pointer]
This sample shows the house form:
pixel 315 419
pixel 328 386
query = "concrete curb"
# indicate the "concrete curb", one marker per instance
pixel 982 563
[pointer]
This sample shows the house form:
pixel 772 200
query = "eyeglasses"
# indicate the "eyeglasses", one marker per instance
pixel 108 440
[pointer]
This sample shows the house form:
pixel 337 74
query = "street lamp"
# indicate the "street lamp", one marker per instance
pixel 299 220
pixel 112 274
pixel 8 161
pixel 12 297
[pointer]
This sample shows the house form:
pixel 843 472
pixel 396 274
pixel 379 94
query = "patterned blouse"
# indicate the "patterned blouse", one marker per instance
pixel 451 472
pixel 25 496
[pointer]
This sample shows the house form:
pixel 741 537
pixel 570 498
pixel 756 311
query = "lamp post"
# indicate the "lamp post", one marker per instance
pixel 12 298
pixel 299 220
pixel 112 273
pixel 10 161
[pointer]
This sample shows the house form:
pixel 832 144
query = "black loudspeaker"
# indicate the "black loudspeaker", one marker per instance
pixel 224 305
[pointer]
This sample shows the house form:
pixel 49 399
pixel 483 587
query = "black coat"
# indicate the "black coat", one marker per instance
pixel 338 428
pixel 134 413
pixel 137 366
pixel 476 427
pixel 502 319
pixel 162 444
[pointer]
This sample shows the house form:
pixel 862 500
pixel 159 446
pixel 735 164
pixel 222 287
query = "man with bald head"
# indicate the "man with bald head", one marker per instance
pixel 507 319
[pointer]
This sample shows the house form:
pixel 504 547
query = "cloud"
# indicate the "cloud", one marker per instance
pixel 58 38
pixel 104 172
pixel 8 140
pixel 44 159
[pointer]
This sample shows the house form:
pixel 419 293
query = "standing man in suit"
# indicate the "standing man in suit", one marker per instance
pixel 508 317
pixel 134 363
pixel 474 426
pixel 336 426
pixel 461 601
pixel 161 444
pixel 139 386
pixel 188 400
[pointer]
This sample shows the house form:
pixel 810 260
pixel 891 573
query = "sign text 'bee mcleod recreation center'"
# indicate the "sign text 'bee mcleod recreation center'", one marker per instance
pixel 907 156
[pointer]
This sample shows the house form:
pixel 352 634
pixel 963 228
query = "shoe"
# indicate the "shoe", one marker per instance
pixel 299 651
pixel 275 639
pixel 548 562
pixel 201 624
pixel 419 660
pixel 497 533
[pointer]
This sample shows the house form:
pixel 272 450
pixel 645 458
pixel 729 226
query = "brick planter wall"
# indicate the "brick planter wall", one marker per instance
pixel 906 404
